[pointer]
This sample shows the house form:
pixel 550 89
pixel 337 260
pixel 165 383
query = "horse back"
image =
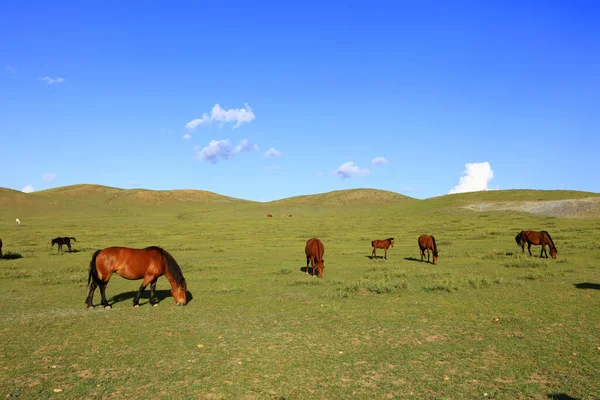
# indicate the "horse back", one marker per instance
pixel 129 263
pixel 314 248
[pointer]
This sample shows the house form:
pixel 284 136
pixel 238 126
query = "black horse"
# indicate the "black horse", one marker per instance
pixel 63 240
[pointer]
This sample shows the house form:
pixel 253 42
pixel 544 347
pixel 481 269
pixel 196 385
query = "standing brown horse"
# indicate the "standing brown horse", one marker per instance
pixel 148 263
pixel 270 215
pixel 314 251
pixel 63 240
pixel 537 239
pixel 381 244
pixel 427 242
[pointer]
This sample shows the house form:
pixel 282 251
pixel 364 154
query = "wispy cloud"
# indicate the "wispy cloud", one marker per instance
pixel 222 149
pixel 350 170
pixel 10 68
pixel 379 161
pixel 219 114
pixel 476 177
pixel 187 136
pixel 272 153
pixel 51 81
pixel 48 176
pixel 28 189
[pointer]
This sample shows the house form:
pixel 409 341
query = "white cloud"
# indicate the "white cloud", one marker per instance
pixel 187 136
pixel 10 68
pixel 28 189
pixel 237 115
pixel 48 176
pixel 476 177
pixel 379 161
pixel 51 81
pixel 272 152
pixel 223 149
pixel 350 170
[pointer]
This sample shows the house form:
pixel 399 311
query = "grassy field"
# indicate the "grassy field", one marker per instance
pixel 486 322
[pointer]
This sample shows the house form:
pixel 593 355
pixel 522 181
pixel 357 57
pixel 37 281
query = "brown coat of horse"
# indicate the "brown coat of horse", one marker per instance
pixel 314 250
pixel 0 248
pixel 270 215
pixel 60 241
pixel 382 244
pixel 149 264
pixel 427 242
pixel 537 239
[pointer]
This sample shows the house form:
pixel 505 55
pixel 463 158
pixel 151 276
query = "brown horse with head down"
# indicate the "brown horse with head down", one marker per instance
pixel 427 242
pixel 537 239
pixel 314 251
pixel 382 244
pixel 149 264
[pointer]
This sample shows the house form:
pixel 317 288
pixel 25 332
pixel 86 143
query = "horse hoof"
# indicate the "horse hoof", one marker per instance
pixel 155 305
pixel 90 307
pixel 136 306
pixel 107 307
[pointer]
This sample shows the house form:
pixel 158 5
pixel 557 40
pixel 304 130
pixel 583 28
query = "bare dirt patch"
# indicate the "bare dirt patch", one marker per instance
pixel 572 208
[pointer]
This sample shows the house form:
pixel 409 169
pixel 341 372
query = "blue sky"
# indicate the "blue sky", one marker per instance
pixel 105 93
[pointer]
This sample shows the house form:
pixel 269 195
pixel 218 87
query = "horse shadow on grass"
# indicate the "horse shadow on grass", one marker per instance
pixel 160 295
pixel 311 270
pixel 413 259
pixel 587 285
pixel 376 257
pixel 561 396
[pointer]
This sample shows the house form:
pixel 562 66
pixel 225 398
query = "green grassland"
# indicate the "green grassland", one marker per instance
pixel 486 322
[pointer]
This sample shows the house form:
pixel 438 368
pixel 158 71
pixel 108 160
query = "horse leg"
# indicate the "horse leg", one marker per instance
pixel 374 253
pixel 103 293
pixel 152 294
pixel 543 251
pixel 529 248
pixel 422 254
pixel 307 262
pixel 428 255
pixel 69 246
pixel 385 256
pixel 145 283
pixel 90 297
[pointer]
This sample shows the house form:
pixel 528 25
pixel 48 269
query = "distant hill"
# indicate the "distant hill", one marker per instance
pixel 343 198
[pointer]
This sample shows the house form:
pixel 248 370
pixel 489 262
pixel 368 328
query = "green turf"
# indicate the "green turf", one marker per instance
pixel 486 322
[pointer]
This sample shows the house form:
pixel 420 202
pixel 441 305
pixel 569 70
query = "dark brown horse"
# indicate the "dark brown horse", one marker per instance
pixel 270 215
pixel 427 242
pixel 148 264
pixel 314 250
pixel 537 239
pixel 63 240
pixel 382 244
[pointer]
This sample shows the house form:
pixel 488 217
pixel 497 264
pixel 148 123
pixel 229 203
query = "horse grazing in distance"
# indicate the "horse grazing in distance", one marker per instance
pixel 427 242
pixel 63 240
pixel 148 264
pixel 537 239
pixel 18 221
pixel 314 251
pixel 270 215
pixel 381 244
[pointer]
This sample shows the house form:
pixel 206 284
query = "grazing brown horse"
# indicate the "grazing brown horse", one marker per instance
pixel 290 215
pixel 537 239
pixel 0 248
pixel 427 242
pixel 148 263
pixel 382 244
pixel 63 240
pixel 270 215
pixel 314 250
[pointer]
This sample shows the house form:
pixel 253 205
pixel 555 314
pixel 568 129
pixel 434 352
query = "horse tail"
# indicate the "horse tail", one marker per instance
pixel 73 239
pixel 320 249
pixel 372 243
pixel 434 245
pixel 519 238
pixel 93 275
pixel 549 237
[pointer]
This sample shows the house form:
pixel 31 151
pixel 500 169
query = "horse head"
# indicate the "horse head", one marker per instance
pixel 179 293
pixel 553 252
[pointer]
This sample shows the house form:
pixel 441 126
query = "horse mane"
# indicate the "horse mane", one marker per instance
pixel 389 239
pixel 550 237
pixel 434 246
pixel 172 265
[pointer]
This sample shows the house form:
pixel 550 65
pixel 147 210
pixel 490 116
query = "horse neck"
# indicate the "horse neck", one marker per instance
pixel 170 278
pixel 551 242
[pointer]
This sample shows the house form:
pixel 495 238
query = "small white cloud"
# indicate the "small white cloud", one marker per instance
pixel 223 149
pixel 28 189
pixel 272 153
pixel 379 161
pixel 48 176
pixel 51 81
pixel 350 170
pixel 476 177
pixel 10 68
pixel 219 114
pixel 187 136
